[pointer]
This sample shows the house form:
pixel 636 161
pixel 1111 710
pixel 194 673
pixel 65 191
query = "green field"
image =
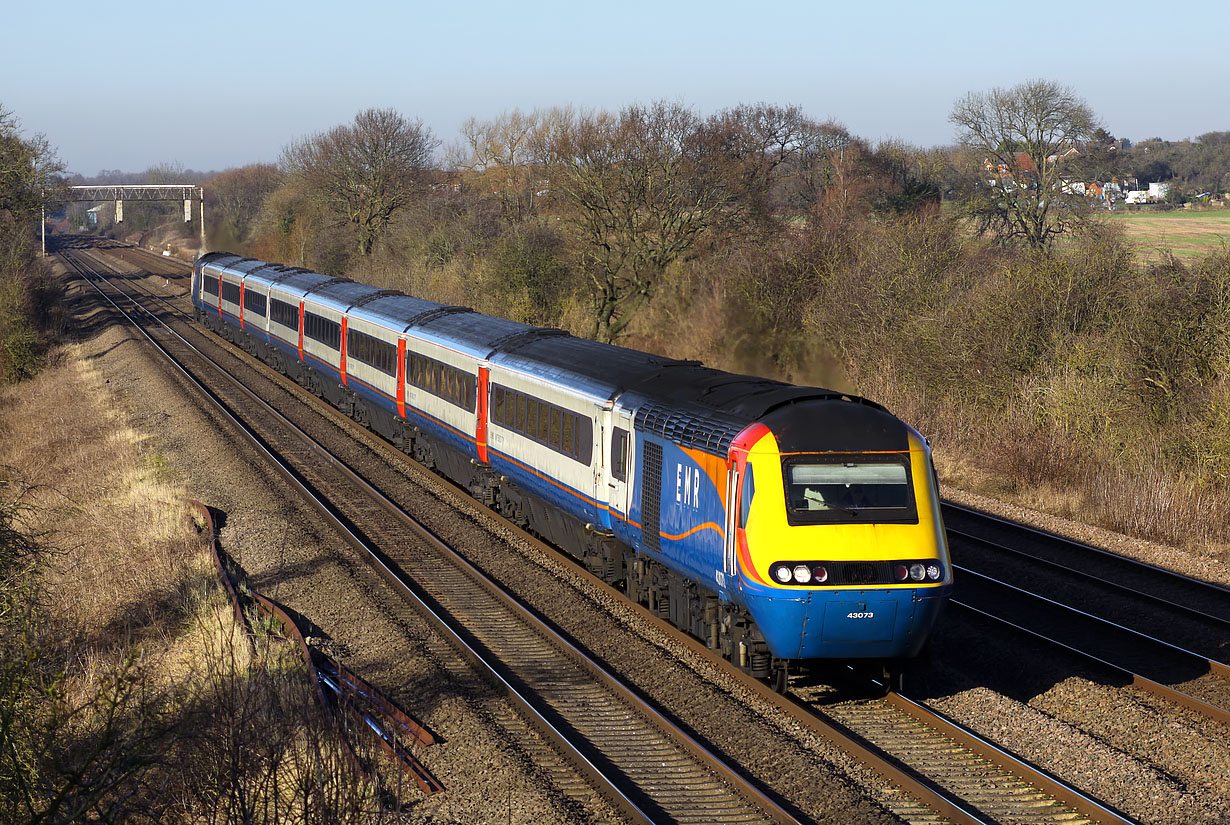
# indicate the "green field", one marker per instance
pixel 1187 233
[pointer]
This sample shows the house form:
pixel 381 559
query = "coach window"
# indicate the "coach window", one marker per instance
pixel 536 420
pixel 253 302
pixel 553 436
pixel 619 454
pixel 544 422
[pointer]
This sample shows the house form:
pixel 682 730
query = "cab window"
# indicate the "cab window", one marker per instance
pixel 848 489
pixel 747 494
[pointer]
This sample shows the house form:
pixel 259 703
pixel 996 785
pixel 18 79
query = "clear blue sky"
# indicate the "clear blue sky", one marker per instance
pixel 215 84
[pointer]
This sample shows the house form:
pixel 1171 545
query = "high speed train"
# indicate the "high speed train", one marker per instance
pixel 778 524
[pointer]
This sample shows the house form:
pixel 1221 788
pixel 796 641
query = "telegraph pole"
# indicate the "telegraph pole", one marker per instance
pixel 201 189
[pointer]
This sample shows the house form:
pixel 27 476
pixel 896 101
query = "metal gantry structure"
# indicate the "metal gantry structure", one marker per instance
pixel 185 192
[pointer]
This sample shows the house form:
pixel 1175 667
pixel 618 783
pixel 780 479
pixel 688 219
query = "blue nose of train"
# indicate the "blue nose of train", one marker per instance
pixel 848 624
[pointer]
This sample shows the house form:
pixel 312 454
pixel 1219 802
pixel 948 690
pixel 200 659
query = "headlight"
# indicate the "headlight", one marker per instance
pixel 918 572
pixel 782 573
pixel 802 574
pixel 935 572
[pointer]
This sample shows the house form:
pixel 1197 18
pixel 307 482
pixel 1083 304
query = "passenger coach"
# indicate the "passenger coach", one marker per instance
pixel 776 523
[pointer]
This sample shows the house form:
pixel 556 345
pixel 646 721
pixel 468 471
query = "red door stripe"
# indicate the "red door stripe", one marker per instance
pixel 343 349
pixel 401 377
pixel 480 436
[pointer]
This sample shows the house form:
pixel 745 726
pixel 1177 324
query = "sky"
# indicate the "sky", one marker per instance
pixel 218 84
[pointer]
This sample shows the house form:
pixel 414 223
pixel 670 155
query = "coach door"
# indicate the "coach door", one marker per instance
pixel 617 464
pixel 732 524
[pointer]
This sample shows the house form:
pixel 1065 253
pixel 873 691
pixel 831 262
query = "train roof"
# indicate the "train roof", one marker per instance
pixel 394 310
pixel 837 425
pixel 219 258
pixel 705 408
pixel 340 295
pixel 684 401
pixel 299 282
pixel 471 332
pixel 244 267
pixel 600 370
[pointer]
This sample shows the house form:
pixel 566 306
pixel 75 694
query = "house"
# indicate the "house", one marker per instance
pixel 1136 196
pixel 1070 153
pixel 1159 191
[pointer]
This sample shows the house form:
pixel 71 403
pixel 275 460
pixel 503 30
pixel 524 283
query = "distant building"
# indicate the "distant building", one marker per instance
pixel 1159 191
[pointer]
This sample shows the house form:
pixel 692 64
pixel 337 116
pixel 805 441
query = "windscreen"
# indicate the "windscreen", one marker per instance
pixel 848 490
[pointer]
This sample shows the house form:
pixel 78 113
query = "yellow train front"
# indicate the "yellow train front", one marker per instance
pixel 812 517
pixel 840 544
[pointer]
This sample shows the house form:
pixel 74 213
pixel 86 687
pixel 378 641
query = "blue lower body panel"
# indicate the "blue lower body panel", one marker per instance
pixel 846 624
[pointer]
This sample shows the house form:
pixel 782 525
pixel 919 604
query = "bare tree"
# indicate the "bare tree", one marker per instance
pixel 640 189
pixel 785 160
pixel 1017 137
pixel 28 166
pixel 498 158
pixel 239 194
pixel 365 172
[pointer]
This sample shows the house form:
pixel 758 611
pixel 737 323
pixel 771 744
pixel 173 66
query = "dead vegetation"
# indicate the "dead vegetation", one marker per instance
pixel 128 692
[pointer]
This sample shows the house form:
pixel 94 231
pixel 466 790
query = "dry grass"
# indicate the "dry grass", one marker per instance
pixel 193 722
pixel 128 545
pixel 1186 233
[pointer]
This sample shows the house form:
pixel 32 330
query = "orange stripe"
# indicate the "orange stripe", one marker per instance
pixel 623 517
pixel 708 525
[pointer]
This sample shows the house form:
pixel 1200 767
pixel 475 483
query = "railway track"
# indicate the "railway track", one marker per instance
pixel 973 781
pixel 643 764
pixel 1164 633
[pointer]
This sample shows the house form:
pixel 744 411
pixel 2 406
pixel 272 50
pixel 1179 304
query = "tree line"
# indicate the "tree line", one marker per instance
pixel 28 296
pixel 972 288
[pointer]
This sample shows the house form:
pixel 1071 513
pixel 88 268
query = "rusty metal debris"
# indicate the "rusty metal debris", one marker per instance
pixel 339 690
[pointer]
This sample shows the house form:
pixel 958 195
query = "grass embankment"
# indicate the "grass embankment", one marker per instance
pixel 1186 233
pixel 128 693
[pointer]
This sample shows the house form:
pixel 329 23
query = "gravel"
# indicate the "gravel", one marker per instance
pixel 486 758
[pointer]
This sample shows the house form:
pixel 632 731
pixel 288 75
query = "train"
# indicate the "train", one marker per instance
pixel 781 525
